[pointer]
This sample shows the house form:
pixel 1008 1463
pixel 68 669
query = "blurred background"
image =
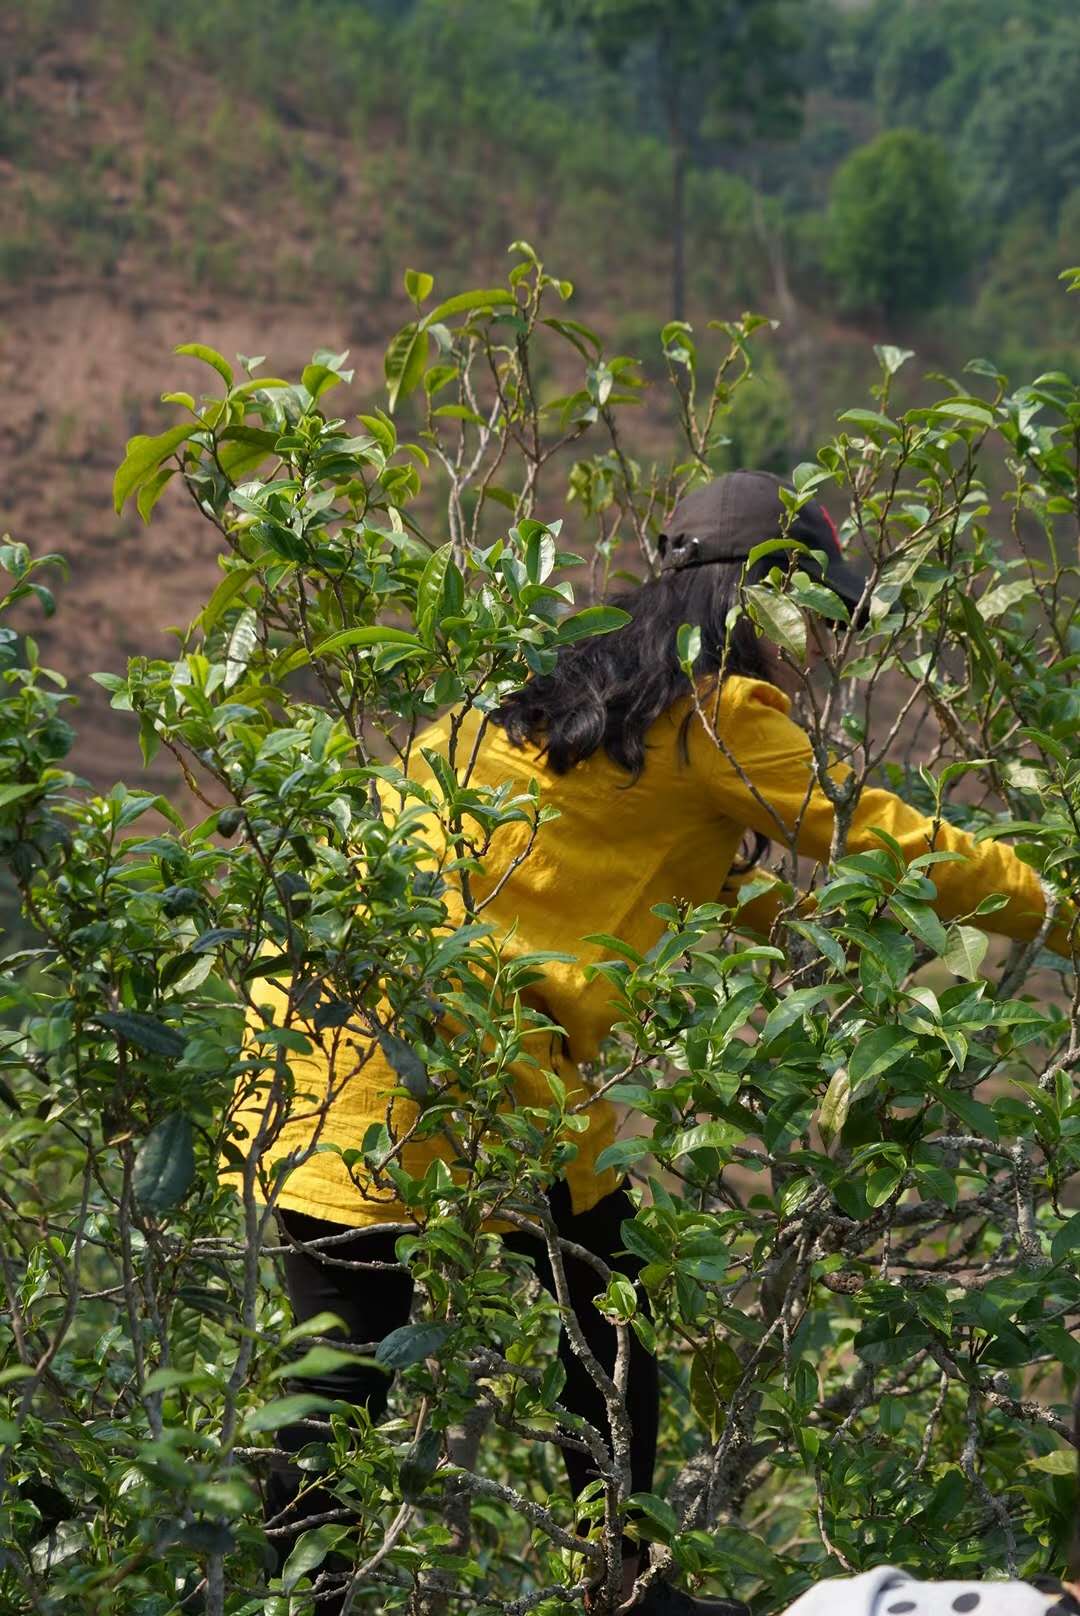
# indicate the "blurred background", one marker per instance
pixel 256 174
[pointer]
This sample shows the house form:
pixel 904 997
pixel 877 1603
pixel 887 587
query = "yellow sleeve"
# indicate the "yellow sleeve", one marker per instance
pixel 762 777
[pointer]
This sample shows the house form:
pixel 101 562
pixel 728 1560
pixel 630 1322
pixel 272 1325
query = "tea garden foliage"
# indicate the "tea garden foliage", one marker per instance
pixel 854 1140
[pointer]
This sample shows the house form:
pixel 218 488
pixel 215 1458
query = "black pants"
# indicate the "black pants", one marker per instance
pixel 373 1303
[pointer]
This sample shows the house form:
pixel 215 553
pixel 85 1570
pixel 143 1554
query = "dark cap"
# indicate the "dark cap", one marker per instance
pixel 726 519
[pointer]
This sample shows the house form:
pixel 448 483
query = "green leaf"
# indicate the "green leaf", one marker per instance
pixel 230 586
pixel 411 1344
pixel 242 642
pixel 997 601
pixel 833 1111
pixel 714 1375
pixel 404 362
pixel 242 448
pixel 890 358
pixel 465 302
pixel 1062 1462
pixel 319 1361
pixel 966 951
pixel 166 1380
pixel 285 1411
pixel 420 1463
pixel 211 357
pixel 658 1511
pixel 16 1372
pixel 407 1064
pixel 623 1153
pixel 964 410
pixel 780 618
pixel 921 920
pixel 458 412
pixel 429 593
pixel 324 373
pixel 310 1551
pixel 375 634
pixel 418 285
pixel 165 1164
pixel 1067 1238
pixel 149 740
pixel 144 456
pixel 688 646
pixel 145 1032
pixel 705 1136
pixel 871 422
pixel 877 1051
pixel 593 620
pixel 15 793
pixel 152 490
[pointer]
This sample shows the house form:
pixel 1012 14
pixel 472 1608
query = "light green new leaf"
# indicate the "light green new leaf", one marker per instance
pixel 152 490
pixel 1062 1462
pixel 833 1111
pixel 418 285
pixel 144 456
pixel 370 634
pixel 465 302
pixel 211 357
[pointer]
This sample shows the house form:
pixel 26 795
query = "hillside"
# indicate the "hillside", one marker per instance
pixel 149 199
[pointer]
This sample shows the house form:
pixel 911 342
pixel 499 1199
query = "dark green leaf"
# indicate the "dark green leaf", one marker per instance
pixel 877 1051
pixel 165 1165
pixel 407 1064
pixel 145 1032
pixel 411 1344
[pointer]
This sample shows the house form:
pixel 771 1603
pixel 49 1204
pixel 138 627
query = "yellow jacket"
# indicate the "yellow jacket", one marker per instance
pixel 617 848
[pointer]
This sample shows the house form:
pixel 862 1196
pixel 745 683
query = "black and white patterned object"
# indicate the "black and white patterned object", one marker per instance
pixel 888 1592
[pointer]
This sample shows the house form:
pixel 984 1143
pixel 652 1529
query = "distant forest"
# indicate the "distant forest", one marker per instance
pixel 897 162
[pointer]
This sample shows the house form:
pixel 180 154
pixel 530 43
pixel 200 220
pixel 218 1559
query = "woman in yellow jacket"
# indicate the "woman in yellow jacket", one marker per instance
pixel 649 809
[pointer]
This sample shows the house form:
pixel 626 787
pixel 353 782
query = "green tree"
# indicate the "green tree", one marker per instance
pixel 895 228
pixel 718 71
pixel 1019 148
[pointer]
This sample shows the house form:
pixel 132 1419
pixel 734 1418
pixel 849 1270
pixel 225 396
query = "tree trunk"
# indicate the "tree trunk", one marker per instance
pixel 678 212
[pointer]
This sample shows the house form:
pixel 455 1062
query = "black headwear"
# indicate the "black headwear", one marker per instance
pixel 726 519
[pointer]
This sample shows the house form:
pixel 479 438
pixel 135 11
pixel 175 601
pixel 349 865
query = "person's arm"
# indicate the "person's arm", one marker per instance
pixel 763 777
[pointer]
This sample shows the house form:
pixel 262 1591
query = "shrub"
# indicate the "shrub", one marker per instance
pixel 859 1262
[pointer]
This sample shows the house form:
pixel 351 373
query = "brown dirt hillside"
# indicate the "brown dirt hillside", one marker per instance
pixel 132 219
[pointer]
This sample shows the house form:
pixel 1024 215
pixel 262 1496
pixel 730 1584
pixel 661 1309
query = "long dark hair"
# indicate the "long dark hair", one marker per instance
pixel 607 691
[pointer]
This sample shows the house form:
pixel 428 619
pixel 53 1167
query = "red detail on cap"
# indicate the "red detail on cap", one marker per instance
pixel 832 525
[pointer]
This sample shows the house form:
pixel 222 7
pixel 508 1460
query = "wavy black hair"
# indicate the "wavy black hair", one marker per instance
pixel 607 691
